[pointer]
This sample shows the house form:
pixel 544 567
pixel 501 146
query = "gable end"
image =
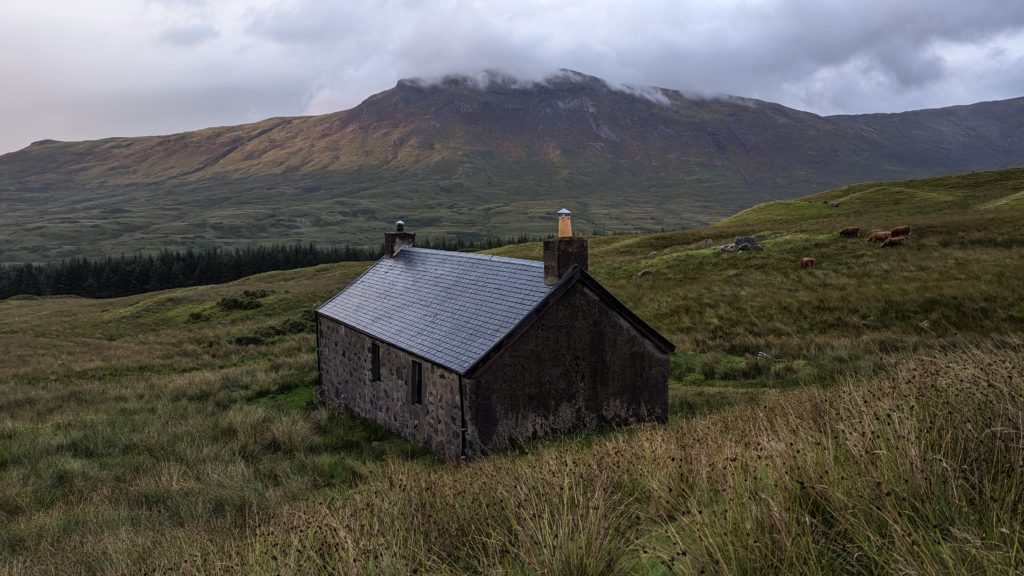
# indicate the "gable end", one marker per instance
pixel 576 274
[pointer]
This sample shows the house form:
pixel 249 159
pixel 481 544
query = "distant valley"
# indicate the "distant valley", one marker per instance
pixel 474 159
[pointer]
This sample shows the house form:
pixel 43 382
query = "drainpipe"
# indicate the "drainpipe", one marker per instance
pixel 462 415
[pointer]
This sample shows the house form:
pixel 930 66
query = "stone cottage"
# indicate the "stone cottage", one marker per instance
pixel 467 353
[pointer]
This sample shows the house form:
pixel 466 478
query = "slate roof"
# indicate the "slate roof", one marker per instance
pixel 450 308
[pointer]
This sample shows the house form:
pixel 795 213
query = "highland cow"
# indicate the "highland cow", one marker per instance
pixel 894 241
pixel 850 232
pixel 807 262
pixel 900 231
pixel 879 236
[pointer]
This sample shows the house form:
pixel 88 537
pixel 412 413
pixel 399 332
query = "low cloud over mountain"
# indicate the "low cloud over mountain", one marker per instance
pixel 86 70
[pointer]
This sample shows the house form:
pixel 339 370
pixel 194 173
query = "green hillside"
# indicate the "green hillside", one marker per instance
pixel 458 158
pixel 878 431
pixel 878 205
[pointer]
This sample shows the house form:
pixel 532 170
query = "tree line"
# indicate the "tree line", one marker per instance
pixel 125 275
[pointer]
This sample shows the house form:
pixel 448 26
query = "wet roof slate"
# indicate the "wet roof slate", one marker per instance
pixel 449 308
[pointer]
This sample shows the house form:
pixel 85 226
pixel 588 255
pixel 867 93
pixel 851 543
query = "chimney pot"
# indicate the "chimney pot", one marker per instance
pixel 564 223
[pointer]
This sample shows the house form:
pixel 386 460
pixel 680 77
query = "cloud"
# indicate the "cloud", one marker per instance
pixel 652 93
pixel 178 3
pixel 188 34
pixel 793 50
pixel 286 57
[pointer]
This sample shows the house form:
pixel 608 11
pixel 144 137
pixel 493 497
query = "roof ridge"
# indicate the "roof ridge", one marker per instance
pixel 474 255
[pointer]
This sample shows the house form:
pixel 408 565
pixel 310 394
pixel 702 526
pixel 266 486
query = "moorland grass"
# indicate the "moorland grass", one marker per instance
pixel 129 425
pixel 878 431
pixel 919 470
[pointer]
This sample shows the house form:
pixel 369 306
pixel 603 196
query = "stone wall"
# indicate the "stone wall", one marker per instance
pixel 345 372
pixel 579 366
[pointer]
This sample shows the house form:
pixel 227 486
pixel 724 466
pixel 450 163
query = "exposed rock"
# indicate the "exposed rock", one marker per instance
pixel 645 272
pixel 742 244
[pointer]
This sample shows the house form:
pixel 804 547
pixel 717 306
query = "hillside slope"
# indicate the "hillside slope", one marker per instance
pixel 879 204
pixel 463 157
pixel 165 432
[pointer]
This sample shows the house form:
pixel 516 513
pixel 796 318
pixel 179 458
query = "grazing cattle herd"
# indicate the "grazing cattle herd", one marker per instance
pixel 888 239
pixel 892 238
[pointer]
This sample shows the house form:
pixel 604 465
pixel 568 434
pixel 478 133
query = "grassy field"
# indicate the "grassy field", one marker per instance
pixel 861 417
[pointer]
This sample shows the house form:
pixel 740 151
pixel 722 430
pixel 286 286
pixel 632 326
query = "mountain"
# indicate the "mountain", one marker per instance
pixel 474 156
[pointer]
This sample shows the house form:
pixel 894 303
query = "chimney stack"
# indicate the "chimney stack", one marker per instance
pixel 395 241
pixel 561 253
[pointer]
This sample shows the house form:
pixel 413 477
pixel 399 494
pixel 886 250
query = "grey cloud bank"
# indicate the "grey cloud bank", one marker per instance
pixel 189 34
pixel 78 70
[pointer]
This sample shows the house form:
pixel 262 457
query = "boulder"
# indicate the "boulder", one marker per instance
pixel 747 243
pixel 742 244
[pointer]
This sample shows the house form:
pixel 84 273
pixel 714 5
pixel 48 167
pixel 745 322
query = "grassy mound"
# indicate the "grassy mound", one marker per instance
pixel 1010 201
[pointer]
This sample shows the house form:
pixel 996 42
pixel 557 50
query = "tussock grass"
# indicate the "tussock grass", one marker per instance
pixel 130 431
pixel 918 470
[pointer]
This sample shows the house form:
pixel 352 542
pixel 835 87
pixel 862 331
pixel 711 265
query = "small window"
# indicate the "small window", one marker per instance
pixel 416 383
pixel 375 362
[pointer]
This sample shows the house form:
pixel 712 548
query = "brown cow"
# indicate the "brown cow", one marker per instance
pixel 850 232
pixel 894 241
pixel 807 262
pixel 900 231
pixel 879 236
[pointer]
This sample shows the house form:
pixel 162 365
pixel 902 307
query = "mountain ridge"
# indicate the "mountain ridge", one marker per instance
pixel 473 156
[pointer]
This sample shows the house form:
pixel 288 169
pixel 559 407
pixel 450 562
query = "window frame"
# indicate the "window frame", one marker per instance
pixel 416 383
pixel 374 362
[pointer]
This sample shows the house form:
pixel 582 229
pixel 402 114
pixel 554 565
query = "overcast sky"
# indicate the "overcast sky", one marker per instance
pixel 75 69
